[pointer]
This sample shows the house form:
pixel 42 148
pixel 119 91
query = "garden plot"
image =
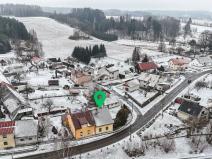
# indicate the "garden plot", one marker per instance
pixel 59 103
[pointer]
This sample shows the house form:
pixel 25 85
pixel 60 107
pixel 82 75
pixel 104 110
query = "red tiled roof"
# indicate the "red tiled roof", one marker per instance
pixel 5 131
pixel 7 124
pixel 82 118
pixel 145 66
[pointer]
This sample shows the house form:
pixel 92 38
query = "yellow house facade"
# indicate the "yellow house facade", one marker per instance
pixel 103 120
pixel 7 139
pixel 104 129
pixel 80 124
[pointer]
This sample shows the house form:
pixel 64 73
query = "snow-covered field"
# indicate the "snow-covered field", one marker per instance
pixel 54 37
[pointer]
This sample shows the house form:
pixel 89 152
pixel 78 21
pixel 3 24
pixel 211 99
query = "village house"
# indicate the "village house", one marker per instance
pixel 15 104
pixel 14 69
pixel 202 61
pixel 112 102
pixel 114 72
pixel 81 124
pixel 80 78
pixel 26 132
pixel 132 85
pixel 102 74
pixel 7 139
pixel 192 111
pixel 103 120
pixel 179 64
pixel 147 80
pixel 146 66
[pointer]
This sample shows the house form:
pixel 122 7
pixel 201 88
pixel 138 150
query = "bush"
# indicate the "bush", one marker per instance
pixel 201 84
pixel 121 117
pixel 104 36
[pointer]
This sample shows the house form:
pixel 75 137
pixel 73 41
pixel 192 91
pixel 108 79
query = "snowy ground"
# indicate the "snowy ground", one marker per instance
pixel 54 37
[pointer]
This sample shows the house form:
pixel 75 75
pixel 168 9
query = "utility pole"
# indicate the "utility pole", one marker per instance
pixel 131 123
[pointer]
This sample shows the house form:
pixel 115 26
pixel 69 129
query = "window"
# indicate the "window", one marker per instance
pixel 21 139
pixel 5 143
pixel 100 129
pixel 106 128
pixel 4 136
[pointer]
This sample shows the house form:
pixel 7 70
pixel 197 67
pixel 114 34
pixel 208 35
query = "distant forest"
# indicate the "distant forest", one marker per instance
pixel 20 10
pixel 95 23
pixel 11 29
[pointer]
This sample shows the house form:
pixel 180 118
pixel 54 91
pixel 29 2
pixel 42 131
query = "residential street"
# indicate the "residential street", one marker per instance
pixel 139 123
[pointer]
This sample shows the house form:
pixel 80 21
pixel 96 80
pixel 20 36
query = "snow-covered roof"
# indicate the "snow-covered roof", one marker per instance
pixel 102 117
pixel 17 95
pixel 111 100
pixel 205 60
pixel 133 83
pixel 26 128
pixel 112 69
pixel 3 78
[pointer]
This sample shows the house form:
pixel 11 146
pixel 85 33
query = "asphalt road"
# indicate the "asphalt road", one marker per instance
pixel 141 121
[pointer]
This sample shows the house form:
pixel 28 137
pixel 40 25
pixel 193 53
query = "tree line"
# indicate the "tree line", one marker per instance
pixel 21 10
pixel 11 29
pixel 94 22
pixel 85 54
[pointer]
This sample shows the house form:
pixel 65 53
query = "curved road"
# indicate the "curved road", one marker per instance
pixel 140 122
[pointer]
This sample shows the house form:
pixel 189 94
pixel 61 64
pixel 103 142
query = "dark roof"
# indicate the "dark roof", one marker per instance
pixel 191 108
pixel 145 66
pixel 82 118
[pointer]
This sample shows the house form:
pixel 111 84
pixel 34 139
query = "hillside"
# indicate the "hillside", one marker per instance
pixel 11 29
pixel 54 37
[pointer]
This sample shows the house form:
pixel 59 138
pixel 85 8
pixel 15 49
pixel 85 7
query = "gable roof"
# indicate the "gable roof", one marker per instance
pixel 145 66
pixel 5 131
pixel 25 128
pixel 102 117
pixel 5 124
pixel 179 61
pixel 132 83
pixel 190 108
pixel 82 118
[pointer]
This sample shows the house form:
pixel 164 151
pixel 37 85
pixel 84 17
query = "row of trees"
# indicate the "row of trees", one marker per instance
pixel 11 29
pixel 95 23
pixel 20 10
pixel 84 54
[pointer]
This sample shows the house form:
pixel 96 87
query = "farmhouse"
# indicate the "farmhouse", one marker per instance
pixel 179 64
pixel 80 78
pixel 103 120
pixel 7 139
pixel 132 85
pixel 15 104
pixel 146 66
pixel 26 132
pixel 81 124
pixel 189 110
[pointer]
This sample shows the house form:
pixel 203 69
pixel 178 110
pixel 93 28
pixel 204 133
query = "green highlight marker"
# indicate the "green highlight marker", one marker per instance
pixel 99 98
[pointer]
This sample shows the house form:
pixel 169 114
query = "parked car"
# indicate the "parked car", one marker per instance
pixel 179 100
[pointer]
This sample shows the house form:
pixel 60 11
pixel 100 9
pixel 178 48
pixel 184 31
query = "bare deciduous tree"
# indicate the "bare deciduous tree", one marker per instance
pixel 167 145
pixel 48 104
